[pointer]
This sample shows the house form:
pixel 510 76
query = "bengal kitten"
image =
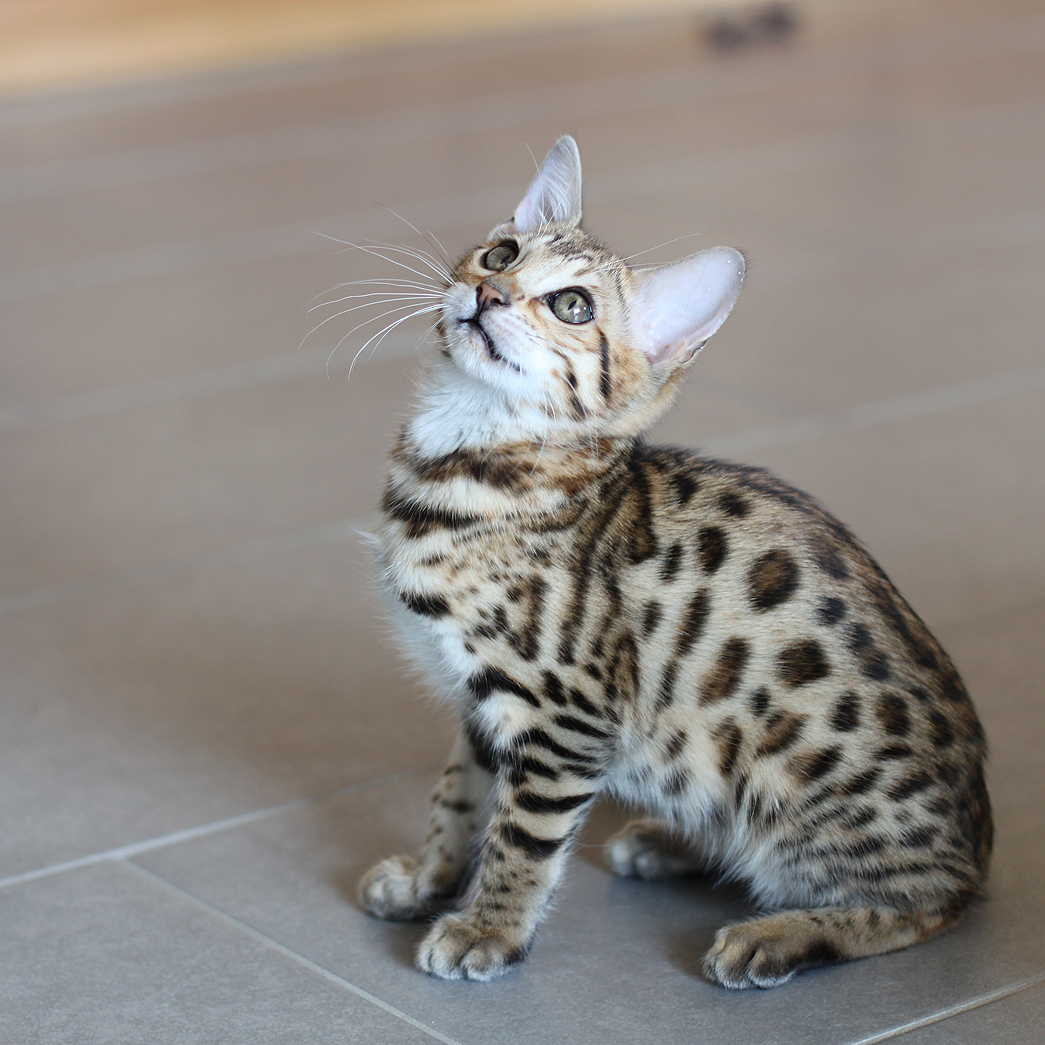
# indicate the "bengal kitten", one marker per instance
pixel 694 637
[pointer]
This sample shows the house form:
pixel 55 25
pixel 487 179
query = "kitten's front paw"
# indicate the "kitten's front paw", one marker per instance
pixel 389 890
pixel 457 950
pixel 646 849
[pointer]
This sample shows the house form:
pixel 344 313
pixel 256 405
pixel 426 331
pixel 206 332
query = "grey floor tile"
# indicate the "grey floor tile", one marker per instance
pixel 816 210
pixel 618 957
pixel 158 706
pixel 361 86
pixel 863 328
pixel 836 341
pixel 166 478
pixel 1016 1020
pixel 110 955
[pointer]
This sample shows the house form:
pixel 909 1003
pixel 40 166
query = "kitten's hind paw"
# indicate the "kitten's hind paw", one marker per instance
pixel 389 890
pixel 457 950
pixel 647 849
pixel 767 952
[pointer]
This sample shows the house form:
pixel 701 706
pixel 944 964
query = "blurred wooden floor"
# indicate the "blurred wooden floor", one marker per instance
pixel 45 43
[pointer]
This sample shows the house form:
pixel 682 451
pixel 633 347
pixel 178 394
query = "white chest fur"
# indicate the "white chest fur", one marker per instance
pixel 437 645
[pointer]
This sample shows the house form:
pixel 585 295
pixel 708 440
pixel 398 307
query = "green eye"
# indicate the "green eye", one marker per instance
pixel 498 258
pixel 572 306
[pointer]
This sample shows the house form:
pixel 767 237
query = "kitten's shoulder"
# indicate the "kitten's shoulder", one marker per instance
pixel 756 510
pixel 734 489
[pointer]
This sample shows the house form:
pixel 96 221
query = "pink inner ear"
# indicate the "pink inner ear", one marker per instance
pixel 680 306
pixel 555 194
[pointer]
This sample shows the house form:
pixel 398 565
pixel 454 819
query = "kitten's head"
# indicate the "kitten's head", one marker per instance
pixel 550 336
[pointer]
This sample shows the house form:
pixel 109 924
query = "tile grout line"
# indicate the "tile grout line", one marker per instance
pixel 188 834
pixel 865 415
pixel 294 956
pixel 231 377
pixel 321 138
pixel 954 1010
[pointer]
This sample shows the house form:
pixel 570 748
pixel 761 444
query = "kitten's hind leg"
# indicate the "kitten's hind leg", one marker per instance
pixel 648 849
pixel 766 952
pixel 402 888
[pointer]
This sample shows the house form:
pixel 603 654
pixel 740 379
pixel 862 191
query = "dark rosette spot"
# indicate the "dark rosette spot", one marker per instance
pixel 712 548
pixel 802 663
pixel 831 611
pixel 724 677
pixel 891 711
pixel 734 505
pixel 815 764
pixel 846 715
pixel 772 579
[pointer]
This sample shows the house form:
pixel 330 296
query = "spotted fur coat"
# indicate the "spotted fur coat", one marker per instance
pixel 696 638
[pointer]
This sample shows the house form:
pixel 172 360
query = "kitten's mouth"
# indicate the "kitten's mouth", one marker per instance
pixel 491 348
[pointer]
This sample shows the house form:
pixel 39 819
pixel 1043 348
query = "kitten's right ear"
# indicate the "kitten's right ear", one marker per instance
pixel 554 195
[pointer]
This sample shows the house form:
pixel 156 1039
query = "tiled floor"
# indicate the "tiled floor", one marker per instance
pixel 206 735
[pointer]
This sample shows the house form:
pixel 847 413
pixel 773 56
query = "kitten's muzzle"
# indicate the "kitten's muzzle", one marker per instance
pixel 488 296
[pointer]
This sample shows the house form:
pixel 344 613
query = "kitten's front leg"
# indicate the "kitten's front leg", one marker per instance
pixel 543 794
pixel 403 888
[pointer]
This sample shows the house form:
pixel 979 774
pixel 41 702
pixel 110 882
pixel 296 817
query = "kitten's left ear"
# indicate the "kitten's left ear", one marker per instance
pixel 678 307
pixel 555 194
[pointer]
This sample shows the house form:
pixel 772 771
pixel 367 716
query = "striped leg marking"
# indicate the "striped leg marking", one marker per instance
pixel 544 790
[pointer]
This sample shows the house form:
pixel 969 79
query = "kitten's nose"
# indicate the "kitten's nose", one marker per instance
pixel 487 295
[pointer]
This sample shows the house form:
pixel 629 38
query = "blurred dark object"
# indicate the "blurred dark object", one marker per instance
pixel 752 24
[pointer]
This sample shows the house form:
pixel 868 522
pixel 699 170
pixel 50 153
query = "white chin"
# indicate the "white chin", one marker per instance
pixel 470 351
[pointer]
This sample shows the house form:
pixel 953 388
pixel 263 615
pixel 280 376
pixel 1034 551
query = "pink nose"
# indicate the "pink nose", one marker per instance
pixel 487 296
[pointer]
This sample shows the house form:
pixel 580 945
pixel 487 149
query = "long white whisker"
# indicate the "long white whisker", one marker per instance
pixel 443 262
pixel 345 311
pixel 389 284
pixel 427 333
pixel 407 283
pixel 333 239
pixel 377 294
pixel 366 322
pixel 381 334
pixel 666 243
pixel 421 255
pixel 428 234
pixel 369 250
pixel 377 254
